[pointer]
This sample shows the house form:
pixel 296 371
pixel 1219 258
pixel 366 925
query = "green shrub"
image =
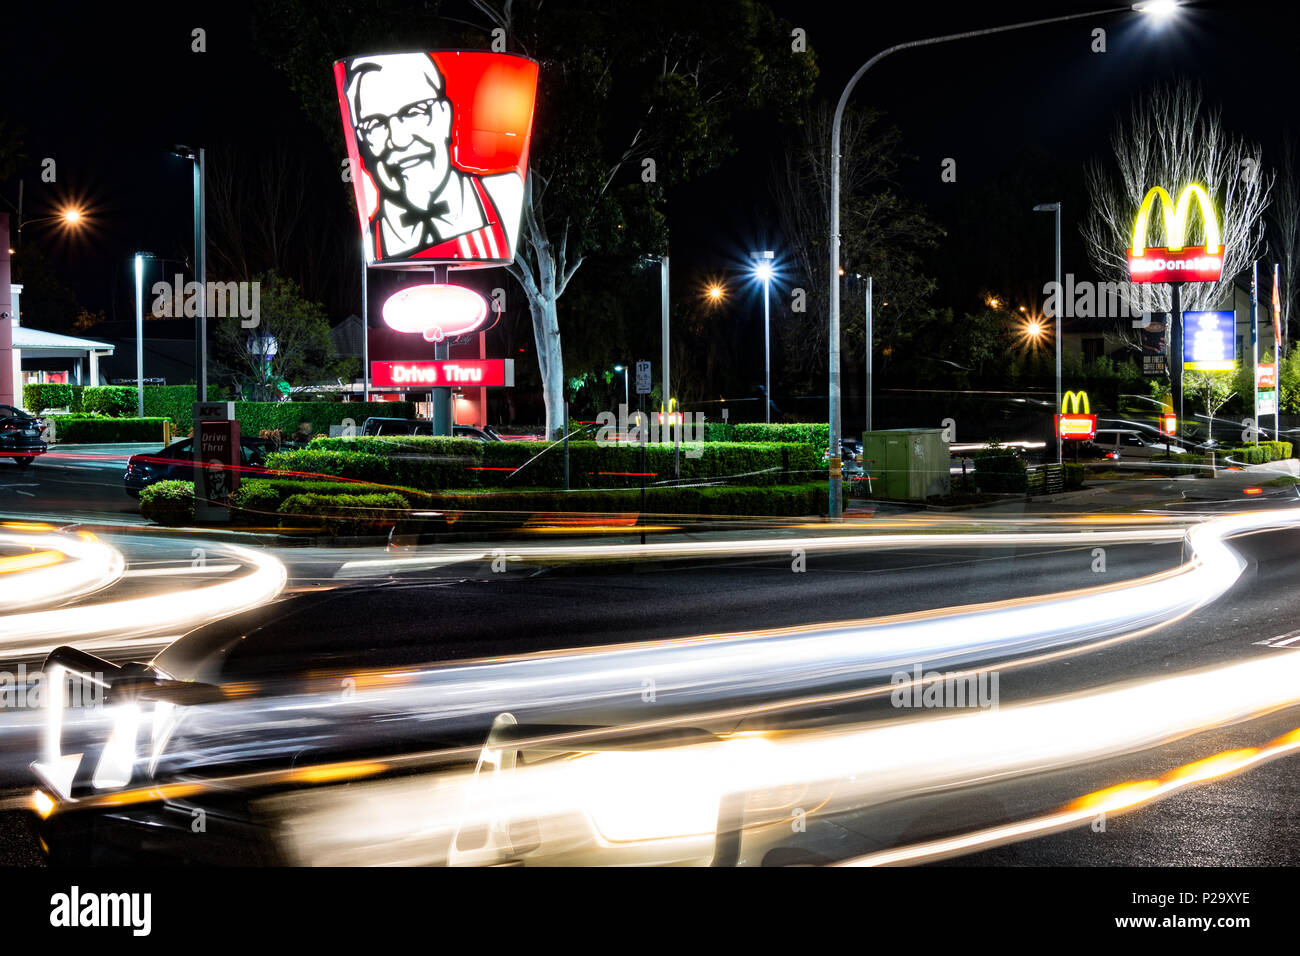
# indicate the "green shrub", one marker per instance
pixel 114 400
pixel 94 429
pixel 257 498
pixel 1074 475
pixel 168 502
pixel 1000 469
pixel 431 464
pixel 177 403
pixel 719 431
pixel 353 465
pixel 347 514
pixel 38 396
pixel 619 466
pixel 782 500
pixel 285 416
pixel 806 434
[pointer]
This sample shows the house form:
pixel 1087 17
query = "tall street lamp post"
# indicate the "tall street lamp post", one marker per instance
pixel 139 331
pixel 1154 7
pixel 763 271
pixel 1060 302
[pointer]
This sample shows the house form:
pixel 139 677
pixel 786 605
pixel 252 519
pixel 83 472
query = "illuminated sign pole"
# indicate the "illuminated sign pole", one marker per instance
pixel 1177 263
pixel 438 145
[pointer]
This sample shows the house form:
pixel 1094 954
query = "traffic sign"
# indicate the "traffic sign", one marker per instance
pixel 643 378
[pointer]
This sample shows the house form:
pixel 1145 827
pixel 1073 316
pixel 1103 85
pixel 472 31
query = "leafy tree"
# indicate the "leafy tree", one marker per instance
pixel 302 340
pixel 1212 389
pixel 620 84
pixel 883 236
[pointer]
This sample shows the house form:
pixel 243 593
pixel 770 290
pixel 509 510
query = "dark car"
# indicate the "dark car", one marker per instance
pixel 396 426
pixel 418 426
pixel 851 455
pixel 478 434
pixel 20 435
pixel 176 463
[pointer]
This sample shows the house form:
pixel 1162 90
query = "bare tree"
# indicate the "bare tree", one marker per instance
pixel 1171 138
pixel 881 232
pixel 1285 218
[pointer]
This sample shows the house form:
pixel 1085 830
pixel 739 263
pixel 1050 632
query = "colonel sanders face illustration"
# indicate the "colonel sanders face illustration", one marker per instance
pixel 404 127
pixel 427 207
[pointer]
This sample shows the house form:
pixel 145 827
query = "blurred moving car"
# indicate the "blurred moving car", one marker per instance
pixel 253 697
pixel 176 463
pixel 20 435
pixel 1122 443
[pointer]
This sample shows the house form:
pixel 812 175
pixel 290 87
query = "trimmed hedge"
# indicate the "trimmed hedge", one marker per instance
pixel 95 429
pixel 177 403
pixel 1074 475
pixel 116 400
pixel 347 513
pixel 1260 454
pixel 431 464
pixel 815 434
pixel 168 502
pixel 780 500
pixel 258 498
pixel 38 396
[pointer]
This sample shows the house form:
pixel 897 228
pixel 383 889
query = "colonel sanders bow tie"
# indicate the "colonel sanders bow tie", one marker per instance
pixel 436 211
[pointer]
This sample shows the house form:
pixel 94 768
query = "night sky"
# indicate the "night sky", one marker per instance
pixel 106 88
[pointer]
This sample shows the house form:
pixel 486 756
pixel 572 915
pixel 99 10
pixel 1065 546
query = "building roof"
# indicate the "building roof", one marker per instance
pixel 346 338
pixel 29 338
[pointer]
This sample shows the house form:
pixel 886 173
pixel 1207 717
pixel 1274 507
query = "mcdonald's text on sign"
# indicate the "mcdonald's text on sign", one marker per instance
pixel 1076 421
pixel 488 373
pixel 1176 262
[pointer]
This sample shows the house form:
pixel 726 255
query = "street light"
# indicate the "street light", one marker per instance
pixel 68 218
pixel 763 272
pixel 623 369
pixel 1158 8
pixel 1055 207
pixel 200 270
pixel 139 331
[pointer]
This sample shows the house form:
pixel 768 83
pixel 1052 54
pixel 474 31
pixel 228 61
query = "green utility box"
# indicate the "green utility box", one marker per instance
pixel 907 463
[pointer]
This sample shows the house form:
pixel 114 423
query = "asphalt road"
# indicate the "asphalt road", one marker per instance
pixel 475 611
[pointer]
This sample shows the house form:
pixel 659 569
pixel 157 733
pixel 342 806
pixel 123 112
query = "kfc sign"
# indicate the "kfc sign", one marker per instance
pixel 485 373
pixel 1176 262
pixel 436 312
pixel 438 149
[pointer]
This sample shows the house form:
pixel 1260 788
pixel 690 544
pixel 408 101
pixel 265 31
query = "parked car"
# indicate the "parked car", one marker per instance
pixel 850 455
pixel 1122 443
pixel 396 426
pixel 418 426
pixel 478 434
pixel 176 463
pixel 20 435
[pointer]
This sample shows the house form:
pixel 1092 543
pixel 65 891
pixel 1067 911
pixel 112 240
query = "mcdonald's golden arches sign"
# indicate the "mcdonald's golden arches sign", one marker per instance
pixel 1076 420
pixel 1177 262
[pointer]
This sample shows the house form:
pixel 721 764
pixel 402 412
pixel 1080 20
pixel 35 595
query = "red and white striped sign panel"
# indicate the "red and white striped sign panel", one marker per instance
pixel 438 151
